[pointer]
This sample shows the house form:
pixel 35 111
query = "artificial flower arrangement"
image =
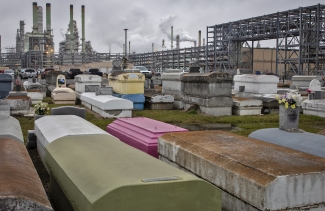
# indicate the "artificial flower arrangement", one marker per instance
pixel 291 100
pixel 41 108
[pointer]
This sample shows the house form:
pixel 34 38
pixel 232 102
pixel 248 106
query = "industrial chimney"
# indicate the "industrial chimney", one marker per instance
pixel 203 41
pixel 177 42
pixel 22 36
pixel 71 29
pixel 40 20
pixel 171 37
pixel 126 40
pixel 199 38
pixel 83 28
pixel 35 26
pixel 48 18
pixel 129 47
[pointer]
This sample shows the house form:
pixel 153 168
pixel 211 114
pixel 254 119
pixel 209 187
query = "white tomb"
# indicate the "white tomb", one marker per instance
pixel 35 96
pixel 246 106
pixel 52 127
pixel 259 84
pixel 61 94
pixel 10 128
pixel 107 106
pixel 173 85
pixel 303 80
pixel 85 98
pixel 81 81
pixel 314 107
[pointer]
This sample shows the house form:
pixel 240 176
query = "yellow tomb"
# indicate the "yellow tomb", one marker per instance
pixel 127 83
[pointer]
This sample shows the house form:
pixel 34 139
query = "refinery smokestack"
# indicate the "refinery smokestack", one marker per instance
pixel 152 47
pixel 129 47
pixel 126 41
pixel 40 19
pixel 203 41
pixel 71 29
pixel 177 42
pixel 171 37
pixel 48 18
pixel 35 26
pixel 199 38
pixel 194 43
pixel 83 28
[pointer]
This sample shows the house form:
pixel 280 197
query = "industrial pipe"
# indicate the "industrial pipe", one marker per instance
pixel 48 18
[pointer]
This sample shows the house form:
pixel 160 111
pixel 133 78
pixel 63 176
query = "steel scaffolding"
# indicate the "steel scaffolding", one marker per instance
pixel 170 59
pixel 299 34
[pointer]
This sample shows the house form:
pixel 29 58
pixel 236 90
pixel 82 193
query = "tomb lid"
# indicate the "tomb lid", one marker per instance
pixel 21 182
pixel 305 142
pixel 207 77
pixel 6 78
pixel 172 76
pixel 131 77
pixel 256 78
pixel 270 172
pixel 110 169
pixel 88 78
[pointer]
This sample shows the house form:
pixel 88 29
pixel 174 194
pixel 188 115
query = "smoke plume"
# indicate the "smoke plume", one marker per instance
pixel 165 26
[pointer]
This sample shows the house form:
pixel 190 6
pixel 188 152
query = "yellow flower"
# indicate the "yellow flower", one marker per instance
pixel 293 106
pixel 283 100
pixel 286 105
pixel 279 101
pixel 277 97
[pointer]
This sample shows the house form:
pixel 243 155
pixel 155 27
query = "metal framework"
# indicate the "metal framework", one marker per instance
pixel 170 59
pixel 299 34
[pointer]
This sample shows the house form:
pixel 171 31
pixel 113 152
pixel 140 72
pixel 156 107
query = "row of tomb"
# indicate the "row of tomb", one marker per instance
pixel 214 93
pixel 135 164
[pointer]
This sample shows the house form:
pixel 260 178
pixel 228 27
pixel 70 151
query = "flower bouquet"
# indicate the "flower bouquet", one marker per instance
pixel 290 100
pixel 289 110
pixel 41 108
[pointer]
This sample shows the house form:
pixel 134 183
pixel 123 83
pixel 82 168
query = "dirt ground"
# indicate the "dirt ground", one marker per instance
pixel 42 173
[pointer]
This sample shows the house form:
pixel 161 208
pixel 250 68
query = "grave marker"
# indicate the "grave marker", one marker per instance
pixel 315 86
pixel 104 90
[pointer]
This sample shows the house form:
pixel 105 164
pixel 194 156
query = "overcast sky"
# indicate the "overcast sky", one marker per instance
pixel 148 21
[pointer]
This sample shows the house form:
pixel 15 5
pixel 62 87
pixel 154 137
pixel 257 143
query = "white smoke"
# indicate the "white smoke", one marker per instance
pixel 165 26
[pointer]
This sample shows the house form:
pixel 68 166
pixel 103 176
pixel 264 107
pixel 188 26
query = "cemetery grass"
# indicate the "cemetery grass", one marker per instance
pixel 241 125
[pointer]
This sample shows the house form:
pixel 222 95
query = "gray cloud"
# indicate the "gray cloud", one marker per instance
pixel 148 21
